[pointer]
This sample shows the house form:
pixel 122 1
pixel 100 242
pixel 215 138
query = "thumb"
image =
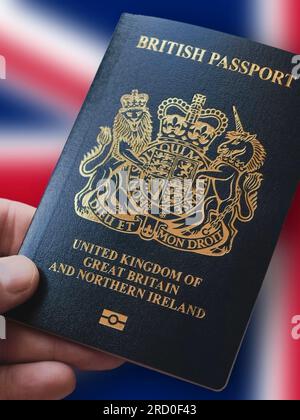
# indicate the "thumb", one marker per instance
pixel 18 281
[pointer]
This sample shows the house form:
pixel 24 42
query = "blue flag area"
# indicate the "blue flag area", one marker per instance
pixel 22 113
pixel 231 16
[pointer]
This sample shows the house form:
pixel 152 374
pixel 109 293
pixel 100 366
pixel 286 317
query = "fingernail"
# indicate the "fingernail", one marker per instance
pixel 17 274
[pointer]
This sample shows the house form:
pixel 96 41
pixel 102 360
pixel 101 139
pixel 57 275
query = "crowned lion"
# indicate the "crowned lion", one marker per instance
pixel 117 149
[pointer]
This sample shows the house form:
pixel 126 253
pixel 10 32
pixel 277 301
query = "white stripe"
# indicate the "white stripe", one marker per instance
pixel 14 139
pixel 268 22
pixel 51 37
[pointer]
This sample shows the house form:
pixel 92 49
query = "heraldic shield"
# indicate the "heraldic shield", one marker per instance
pixel 219 169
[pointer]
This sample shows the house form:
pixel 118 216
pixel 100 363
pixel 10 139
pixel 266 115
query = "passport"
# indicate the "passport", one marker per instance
pixel 159 223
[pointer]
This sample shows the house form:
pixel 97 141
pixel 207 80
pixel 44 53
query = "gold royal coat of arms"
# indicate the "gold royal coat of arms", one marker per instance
pixel 192 144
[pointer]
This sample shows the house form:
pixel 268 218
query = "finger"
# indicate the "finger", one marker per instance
pixel 25 345
pixel 18 280
pixel 15 219
pixel 36 381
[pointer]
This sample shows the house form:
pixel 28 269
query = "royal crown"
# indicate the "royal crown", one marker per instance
pixel 191 122
pixel 134 100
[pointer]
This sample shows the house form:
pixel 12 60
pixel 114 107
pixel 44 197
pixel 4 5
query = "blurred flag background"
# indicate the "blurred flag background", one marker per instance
pixel 53 49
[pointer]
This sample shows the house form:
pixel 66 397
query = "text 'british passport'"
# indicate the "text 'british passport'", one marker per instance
pixel 161 218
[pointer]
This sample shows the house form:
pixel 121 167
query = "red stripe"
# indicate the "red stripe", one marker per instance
pixel 66 86
pixel 293 26
pixel 292 11
pixel 291 363
pixel 25 180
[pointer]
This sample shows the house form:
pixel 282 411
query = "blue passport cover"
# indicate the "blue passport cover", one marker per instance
pixel 170 102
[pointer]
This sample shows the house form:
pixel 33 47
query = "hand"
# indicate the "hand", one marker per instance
pixel 33 365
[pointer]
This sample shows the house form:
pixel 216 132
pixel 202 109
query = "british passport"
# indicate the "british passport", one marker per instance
pixel 157 228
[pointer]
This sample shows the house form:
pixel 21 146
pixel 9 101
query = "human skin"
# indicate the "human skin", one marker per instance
pixel 33 365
